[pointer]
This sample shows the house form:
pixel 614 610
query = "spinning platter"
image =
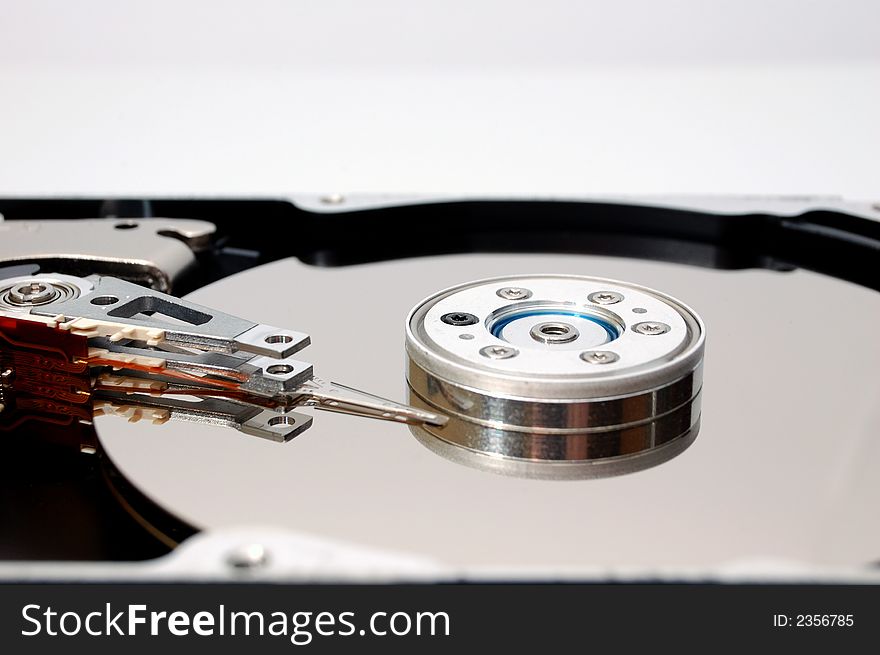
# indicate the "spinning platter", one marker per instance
pixel 688 387
pixel 783 468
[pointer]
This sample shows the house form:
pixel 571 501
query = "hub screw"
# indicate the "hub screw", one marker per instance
pixel 599 357
pixel 499 352
pixel 514 293
pixel 605 297
pixel 651 328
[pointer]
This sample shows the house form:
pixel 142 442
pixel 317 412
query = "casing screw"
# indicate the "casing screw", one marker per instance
pixel 333 199
pixel 651 328
pixel 514 293
pixel 250 556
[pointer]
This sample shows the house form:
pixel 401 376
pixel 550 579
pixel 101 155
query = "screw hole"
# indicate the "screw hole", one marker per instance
pixel 281 420
pixel 104 300
pixel 129 225
pixel 279 338
pixel 279 369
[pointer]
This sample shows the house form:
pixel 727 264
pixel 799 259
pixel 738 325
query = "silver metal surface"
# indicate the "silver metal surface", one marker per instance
pixel 274 555
pixel 31 293
pixel 556 468
pixel 57 288
pixel 649 363
pixel 567 333
pixel 335 397
pixel 266 424
pixel 780 482
pixel 779 205
pixel 554 333
pixel 153 252
pixel 173 359
pixel 547 414
pixel 183 323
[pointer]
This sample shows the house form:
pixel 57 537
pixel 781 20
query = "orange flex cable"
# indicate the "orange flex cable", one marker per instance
pixel 158 370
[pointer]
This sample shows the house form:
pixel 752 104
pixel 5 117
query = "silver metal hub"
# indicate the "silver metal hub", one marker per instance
pixel 554 334
pixel 31 293
pixel 23 293
pixel 581 377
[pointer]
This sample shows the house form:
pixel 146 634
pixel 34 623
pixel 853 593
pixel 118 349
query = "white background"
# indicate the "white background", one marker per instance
pixel 503 96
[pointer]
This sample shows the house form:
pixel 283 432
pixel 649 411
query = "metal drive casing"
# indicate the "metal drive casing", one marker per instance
pixel 556 376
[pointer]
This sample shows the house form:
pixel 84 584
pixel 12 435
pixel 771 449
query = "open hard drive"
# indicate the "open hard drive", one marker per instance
pixel 582 389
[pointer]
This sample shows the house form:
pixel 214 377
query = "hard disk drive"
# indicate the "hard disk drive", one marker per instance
pixel 385 388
